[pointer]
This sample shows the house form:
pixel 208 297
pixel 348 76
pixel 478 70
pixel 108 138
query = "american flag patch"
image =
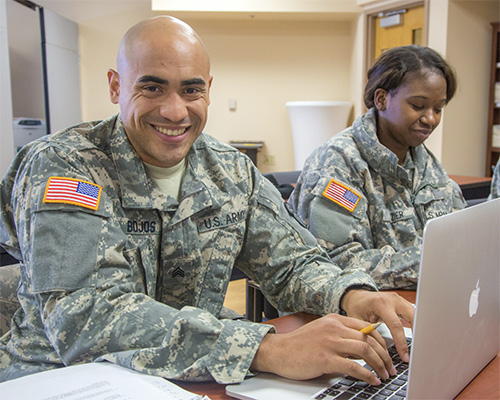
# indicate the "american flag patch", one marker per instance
pixel 342 195
pixel 72 191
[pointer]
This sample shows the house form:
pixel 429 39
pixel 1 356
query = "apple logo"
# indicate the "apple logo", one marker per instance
pixel 474 300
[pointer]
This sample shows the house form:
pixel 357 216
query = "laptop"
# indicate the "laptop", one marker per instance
pixel 456 330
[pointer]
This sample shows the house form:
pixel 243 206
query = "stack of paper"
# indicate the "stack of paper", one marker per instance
pixel 96 381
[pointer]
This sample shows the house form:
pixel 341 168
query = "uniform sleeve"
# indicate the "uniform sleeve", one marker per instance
pixel 459 202
pixel 293 272
pixel 87 291
pixel 345 231
pixel 495 183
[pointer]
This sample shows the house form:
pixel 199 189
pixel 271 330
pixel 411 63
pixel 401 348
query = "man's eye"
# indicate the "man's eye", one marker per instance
pixel 417 107
pixel 151 89
pixel 192 90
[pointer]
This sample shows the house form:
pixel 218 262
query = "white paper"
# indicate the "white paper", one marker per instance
pixel 96 381
pixel 176 392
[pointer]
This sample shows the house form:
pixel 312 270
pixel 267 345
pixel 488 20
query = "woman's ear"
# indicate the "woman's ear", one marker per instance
pixel 380 99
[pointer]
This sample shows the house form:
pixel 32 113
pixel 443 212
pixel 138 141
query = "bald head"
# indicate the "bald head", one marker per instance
pixel 162 85
pixel 163 31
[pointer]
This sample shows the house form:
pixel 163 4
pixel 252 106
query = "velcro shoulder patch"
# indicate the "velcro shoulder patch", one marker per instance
pixel 72 191
pixel 342 195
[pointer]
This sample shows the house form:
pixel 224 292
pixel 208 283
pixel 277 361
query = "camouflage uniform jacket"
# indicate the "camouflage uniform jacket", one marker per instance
pixel 368 211
pixel 140 280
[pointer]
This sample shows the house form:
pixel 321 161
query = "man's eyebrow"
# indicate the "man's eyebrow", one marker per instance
pixel 152 78
pixel 161 81
pixel 194 81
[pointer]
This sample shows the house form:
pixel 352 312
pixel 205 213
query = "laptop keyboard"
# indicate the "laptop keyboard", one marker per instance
pixel 351 388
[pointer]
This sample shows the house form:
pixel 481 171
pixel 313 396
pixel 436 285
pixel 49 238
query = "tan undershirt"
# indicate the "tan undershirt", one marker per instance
pixel 167 179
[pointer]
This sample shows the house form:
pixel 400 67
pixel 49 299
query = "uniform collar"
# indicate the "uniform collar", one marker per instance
pixel 379 157
pixel 197 193
pixel 134 183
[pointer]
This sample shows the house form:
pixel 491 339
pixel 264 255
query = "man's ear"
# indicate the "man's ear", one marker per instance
pixel 114 86
pixel 380 99
pixel 209 86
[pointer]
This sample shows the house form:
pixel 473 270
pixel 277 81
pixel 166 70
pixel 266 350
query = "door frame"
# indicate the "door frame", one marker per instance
pixel 387 6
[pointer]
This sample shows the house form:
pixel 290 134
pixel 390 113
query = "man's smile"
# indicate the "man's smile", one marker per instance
pixel 170 132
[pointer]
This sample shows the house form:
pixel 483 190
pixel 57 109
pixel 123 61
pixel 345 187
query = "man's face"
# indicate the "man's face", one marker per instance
pixel 163 93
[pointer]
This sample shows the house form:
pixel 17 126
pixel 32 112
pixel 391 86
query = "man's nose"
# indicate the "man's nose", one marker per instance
pixel 174 108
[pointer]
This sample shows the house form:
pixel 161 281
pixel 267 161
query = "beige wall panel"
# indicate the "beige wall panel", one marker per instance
pixel 469 51
pixel 260 64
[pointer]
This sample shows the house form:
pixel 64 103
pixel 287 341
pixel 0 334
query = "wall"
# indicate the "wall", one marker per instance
pixel 260 63
pixel 6 138
pixel 358 67
pixel 98 42
pixel 264 63
pixel 469 51
pixel 437 26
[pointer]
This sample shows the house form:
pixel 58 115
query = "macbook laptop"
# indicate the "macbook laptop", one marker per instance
pixel 457 324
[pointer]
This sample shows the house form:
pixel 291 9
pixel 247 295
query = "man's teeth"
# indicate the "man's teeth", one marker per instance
pixel 170 132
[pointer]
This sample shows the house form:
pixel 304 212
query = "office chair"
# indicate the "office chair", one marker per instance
pixel 283 181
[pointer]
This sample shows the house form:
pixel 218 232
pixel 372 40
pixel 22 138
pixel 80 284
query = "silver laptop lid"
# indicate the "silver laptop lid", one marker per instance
pixel 449 347
pixel 457 324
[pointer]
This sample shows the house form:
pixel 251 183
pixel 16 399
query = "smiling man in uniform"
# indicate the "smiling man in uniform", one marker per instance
pixel 127 231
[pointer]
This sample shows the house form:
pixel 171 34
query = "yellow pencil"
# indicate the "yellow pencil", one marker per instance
pixel 370 328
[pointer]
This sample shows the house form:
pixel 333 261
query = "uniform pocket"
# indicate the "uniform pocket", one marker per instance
pixel 332 223
pixel 143 265
pixel 63 250
pixel 432 202
pixel 63 245
pixel 226 246
pixel 395 226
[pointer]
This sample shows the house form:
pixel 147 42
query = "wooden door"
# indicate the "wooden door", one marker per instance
pixel 408 29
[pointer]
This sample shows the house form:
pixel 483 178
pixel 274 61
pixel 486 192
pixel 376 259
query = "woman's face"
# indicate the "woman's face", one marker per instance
pixel 408 114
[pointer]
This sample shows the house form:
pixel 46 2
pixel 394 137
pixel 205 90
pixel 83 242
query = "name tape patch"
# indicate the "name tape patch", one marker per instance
pixel 72 191
pixel 342 195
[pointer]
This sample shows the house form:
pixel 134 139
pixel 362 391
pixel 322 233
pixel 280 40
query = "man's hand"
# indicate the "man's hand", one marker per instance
pixel 386 306
pixel 322 347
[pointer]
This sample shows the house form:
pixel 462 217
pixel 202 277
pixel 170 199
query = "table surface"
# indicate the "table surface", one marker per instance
pixel 463 180
pixel 486 385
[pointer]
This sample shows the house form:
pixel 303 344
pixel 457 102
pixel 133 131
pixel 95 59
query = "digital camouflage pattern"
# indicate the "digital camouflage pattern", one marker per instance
pixel 495 183
pixel 9 278
pixel 141 280
pixel 392 203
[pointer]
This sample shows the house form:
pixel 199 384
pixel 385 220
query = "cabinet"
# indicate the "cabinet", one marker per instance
pixel 493 137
